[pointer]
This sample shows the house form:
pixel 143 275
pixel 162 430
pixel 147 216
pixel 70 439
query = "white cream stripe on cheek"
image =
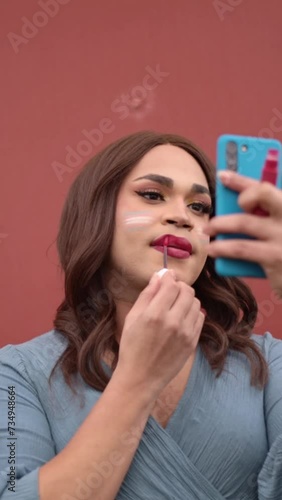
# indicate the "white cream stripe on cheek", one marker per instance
pixel 134 220
pixel 203 237
pixel 137 219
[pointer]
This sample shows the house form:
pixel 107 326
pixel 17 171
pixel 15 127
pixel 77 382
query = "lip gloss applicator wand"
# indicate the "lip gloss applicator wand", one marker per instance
pixel 164 270
pixel 165 252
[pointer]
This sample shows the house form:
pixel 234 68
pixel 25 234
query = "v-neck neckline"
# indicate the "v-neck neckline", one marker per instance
pixel 188 390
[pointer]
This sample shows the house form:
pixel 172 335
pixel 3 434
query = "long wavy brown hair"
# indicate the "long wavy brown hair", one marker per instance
pixel 86 316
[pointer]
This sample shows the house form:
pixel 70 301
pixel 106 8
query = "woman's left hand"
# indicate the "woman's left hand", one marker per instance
pixel 267 250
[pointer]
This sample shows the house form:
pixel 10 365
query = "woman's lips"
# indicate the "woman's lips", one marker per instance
pixel 174 252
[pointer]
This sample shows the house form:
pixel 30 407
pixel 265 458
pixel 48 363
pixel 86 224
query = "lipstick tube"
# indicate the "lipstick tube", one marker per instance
pixel 269 174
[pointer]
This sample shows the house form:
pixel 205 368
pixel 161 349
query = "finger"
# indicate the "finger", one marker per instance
pixel 236 181
pixel 197 328
pixel 195 309
pixel 167 294
pixel 250 250
pixel 199 323
pixel 153 286
pixel 150 290
pixel 252 225
pixel 184 301
pixel 264 195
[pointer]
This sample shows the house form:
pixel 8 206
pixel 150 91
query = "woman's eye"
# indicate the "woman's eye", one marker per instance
pixel 144 193
pixel 202 208
pixel 198 207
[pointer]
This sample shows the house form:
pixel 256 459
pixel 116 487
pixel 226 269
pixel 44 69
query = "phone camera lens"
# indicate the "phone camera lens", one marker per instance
pixel 232 156
pixel 232 147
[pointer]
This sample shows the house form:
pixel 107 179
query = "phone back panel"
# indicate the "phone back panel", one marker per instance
pixel 251 156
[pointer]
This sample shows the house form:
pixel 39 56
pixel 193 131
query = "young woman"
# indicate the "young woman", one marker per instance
pixel 149 387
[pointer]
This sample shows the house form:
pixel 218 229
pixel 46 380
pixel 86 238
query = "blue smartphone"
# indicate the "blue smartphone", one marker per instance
pixel 246 156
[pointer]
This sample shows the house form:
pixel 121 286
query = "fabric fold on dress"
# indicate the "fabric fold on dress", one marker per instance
pixel 160 470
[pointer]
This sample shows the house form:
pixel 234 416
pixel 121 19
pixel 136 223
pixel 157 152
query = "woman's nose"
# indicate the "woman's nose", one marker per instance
pixel 179 217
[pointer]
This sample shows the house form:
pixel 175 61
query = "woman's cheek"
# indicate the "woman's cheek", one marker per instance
pixel 136 220
pixel 203 238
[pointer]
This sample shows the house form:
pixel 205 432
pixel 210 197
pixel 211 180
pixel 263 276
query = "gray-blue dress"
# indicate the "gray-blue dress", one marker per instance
pixel 224 440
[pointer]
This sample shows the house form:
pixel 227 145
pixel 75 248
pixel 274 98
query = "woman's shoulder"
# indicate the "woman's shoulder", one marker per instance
pixel 37 354
pixel 270 346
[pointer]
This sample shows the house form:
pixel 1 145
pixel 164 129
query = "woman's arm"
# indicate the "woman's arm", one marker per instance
pixel 93 463
pixel 98 456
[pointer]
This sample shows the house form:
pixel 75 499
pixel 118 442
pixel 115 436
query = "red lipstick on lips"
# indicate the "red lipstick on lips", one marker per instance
pixel 180 248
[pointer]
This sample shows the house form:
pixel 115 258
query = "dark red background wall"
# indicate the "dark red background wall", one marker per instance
pixel 65 65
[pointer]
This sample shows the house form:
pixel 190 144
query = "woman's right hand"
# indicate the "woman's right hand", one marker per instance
pixel 160 332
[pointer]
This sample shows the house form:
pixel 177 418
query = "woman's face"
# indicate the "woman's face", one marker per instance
pixel 180 210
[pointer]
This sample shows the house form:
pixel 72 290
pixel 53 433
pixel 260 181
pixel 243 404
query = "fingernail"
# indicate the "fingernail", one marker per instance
pixel 162 272
pixel 224 176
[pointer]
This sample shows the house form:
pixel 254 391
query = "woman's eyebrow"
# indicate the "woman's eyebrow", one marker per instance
pixel 168 182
